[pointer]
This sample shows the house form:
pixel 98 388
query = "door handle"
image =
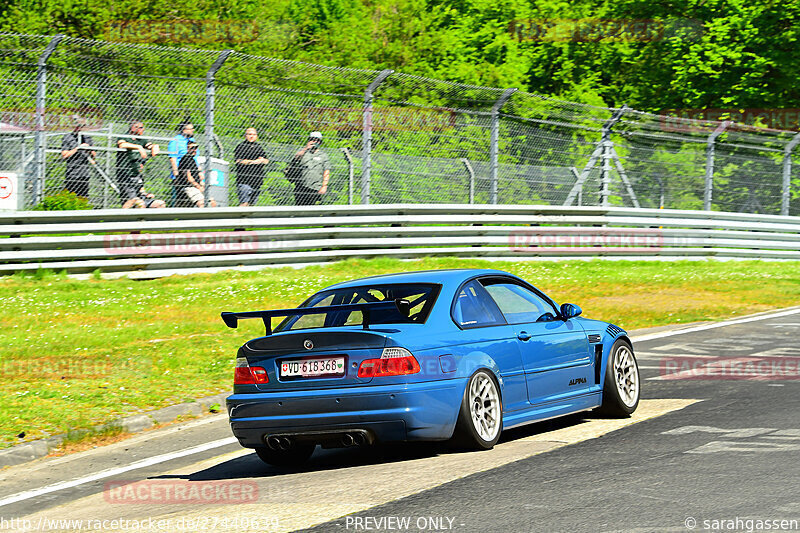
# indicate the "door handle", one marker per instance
pixel 523 335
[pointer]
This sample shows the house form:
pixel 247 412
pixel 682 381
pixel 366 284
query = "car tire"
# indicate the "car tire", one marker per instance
pixel 621 387
pixel 294 456
pixel 480 418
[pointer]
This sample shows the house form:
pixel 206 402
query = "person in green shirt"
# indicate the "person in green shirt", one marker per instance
pixel 134 152
pixel 310 171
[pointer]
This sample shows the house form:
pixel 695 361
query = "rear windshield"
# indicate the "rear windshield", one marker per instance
pixel 421 297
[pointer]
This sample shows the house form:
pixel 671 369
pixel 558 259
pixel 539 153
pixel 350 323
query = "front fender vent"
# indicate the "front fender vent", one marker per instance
pixel 598 361
pixel 614 330
pixel 594 338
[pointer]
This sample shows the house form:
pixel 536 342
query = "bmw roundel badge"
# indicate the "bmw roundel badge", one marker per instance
pixel 307 344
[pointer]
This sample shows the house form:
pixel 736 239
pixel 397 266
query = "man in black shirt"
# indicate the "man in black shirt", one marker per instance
pixel 189 184
pixel 75 149
pixel 130 166
pixel 250 161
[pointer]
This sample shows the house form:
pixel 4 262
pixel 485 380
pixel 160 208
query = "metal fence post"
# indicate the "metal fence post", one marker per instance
pixel 350 174
pixel 471 173
pixel 366 152
pixel 108 163
pixel 495 140
pixel 605 167
pixel 209 129
pixel 710 150
pixel 787 174
pixel 41 98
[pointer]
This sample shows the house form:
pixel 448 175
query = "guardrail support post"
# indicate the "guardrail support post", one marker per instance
pixel 209 129
pixel 710 149
pixel 787 174
pixel 366 152
pixel 605 167
pixel 471 173
pixel 495 140
pixel 41 102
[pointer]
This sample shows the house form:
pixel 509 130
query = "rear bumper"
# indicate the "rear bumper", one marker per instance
pixel 412 411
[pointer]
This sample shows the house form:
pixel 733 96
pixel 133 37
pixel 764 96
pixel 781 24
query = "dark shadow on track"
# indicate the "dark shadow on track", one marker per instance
pixel 250 466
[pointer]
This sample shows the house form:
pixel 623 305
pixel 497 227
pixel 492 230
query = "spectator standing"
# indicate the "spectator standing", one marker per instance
pixel 251 160
pixel 75 150
pixel 130 168
pixel 310 171
pixel 177 148
pixel 189 182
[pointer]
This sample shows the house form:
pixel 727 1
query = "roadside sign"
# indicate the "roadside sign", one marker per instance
pixel 8 191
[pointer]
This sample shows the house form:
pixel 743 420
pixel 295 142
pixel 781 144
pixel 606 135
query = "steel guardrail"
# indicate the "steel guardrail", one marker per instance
pixel 154 243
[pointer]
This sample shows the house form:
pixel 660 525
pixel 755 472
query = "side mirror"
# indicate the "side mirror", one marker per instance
pixel 570 311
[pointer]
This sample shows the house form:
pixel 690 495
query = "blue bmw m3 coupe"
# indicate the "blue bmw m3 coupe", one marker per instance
pixel 436 355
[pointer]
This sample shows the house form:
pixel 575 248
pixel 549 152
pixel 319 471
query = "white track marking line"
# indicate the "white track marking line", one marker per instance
pixel 14 498
pixel 132 440
pixel 715 325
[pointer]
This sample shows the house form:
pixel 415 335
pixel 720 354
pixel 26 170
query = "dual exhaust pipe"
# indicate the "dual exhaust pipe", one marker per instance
pixel 283 443
pixel 355 438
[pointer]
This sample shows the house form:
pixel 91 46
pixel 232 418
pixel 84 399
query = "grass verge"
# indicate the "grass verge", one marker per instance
pixel 76 354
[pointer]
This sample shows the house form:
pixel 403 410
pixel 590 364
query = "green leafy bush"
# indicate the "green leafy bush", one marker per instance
pixel 63 201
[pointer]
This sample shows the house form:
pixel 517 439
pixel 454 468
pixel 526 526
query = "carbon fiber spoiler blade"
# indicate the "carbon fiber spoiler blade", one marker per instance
pixel 232 319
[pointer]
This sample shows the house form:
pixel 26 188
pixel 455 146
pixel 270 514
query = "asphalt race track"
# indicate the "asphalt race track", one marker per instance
pixel 714 446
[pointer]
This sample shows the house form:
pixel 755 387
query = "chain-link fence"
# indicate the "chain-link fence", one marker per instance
pixel 390 137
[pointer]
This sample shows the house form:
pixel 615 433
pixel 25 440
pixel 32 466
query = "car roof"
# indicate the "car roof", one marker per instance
pixel 444 277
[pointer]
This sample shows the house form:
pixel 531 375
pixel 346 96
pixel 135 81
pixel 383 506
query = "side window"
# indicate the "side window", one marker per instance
pixel 473 308
pixel 520 305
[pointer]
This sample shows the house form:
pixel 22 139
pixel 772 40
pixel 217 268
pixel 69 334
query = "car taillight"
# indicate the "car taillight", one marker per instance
pixel 393 362
pixel 248 375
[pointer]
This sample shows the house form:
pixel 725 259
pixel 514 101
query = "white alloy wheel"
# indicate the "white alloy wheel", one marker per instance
pixel 484 406
pixel 626 375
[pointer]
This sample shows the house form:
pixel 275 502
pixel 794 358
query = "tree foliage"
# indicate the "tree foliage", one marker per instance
pixel 707 53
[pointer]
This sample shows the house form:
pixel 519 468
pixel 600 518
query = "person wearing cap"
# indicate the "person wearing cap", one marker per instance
pixel 250 161
pixel 310 171
pixel 77 154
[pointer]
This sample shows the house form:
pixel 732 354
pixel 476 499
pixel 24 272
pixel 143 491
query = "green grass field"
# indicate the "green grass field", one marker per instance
pixel 80 353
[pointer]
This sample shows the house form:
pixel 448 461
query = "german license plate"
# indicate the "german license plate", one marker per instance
pixel 326 366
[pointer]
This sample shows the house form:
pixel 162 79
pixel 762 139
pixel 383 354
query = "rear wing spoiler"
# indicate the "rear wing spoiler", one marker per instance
pixel 401 305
